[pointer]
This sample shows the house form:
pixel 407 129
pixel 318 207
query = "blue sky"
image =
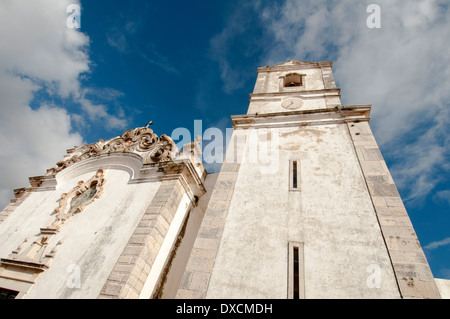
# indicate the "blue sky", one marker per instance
pixel 179 61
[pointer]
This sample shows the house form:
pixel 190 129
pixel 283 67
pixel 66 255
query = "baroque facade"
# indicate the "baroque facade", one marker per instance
pixel 304 206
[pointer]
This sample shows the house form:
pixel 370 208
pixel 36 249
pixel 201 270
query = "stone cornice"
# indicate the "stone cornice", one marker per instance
pixel 182 169
pixel 295 65
pixel 274 95
pixel 343 114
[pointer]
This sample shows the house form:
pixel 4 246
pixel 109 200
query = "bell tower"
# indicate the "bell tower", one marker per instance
pixel 304 205
pixel 292 86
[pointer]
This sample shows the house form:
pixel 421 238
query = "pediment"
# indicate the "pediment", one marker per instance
pixel 140 141
pixel 296 62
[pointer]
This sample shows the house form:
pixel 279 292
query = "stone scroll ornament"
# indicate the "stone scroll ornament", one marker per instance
pixel 34 253
pixel 141 141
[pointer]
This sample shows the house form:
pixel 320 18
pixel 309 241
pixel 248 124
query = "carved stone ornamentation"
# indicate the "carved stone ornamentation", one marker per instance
pixel 141 141
pixel 78 198
pixel 164 150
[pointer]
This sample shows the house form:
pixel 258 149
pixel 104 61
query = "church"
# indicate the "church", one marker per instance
pixel 304 206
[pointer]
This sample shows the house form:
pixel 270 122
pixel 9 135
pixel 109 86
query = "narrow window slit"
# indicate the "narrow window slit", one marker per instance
pixel 294 174
pixel 296 275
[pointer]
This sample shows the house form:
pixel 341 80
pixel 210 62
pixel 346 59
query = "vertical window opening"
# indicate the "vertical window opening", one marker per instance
pixel 296 275
pixel 294 174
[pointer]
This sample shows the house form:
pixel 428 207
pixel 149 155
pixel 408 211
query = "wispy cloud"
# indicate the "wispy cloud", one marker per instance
pixel 96 102
pixel 117 39
pixel 98 113
pixel 223 44
pixel 154 57
pixel 437 244
pixel 122 38
pixel 442 196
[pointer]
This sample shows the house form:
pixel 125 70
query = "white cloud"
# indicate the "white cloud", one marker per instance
pixel 402 69
pixel 99 112
pixel 31 140
pixel 38 52
pixel 36 43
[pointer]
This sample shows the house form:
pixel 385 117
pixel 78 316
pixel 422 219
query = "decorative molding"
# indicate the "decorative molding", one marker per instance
pixel 141 141
pixel 303 93
pixel 336 115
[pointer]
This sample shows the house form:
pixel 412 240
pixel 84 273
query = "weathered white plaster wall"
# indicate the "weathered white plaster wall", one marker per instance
pixel 92 239
pixel 332 215
pixel 444 287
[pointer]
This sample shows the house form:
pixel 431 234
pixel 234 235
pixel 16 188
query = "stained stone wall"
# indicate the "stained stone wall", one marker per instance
pixel 198 270
pixel 410 265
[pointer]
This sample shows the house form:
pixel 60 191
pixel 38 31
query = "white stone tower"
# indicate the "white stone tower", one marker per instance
pixel 304 205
